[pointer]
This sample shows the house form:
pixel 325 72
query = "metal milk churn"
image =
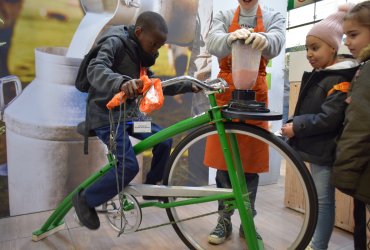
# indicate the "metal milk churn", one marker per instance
pixel 180 17
pixel 44 151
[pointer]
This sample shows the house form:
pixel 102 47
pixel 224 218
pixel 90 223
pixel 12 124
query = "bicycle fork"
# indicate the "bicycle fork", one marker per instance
pixel 231 153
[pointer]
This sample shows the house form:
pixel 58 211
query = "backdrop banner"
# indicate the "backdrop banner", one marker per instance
pixel 292 4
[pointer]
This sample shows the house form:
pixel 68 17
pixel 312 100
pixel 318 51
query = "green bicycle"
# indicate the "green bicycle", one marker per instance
pixel 191 205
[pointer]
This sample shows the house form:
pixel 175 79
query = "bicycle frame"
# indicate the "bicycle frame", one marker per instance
pixel 234 165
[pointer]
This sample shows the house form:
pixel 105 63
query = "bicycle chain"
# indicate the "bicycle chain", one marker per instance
pixel 190 218
pixel 164 224
pixel 173 222
pixel 177 221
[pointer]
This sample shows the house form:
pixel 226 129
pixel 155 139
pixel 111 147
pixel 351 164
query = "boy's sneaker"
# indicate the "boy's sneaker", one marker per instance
pixel 86 215
pixel 221 232
pixel 241 233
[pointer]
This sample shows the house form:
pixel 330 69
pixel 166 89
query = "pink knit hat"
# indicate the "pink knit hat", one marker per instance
pixel 330 29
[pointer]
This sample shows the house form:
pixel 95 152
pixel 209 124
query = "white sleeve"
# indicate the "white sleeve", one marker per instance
pixel 218 34
pixel 275 33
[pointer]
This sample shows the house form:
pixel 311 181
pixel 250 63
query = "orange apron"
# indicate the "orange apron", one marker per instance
pixel 254 154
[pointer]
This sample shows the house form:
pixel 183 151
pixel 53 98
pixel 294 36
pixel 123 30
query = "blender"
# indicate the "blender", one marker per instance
pixel 245 66
pixel 243 105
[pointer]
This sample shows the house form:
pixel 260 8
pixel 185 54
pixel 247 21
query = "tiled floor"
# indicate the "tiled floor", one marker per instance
pixel 15 234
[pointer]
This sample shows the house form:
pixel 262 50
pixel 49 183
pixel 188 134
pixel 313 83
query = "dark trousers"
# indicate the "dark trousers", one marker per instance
pixel 223 181
pixel 359 234
pixel 107 187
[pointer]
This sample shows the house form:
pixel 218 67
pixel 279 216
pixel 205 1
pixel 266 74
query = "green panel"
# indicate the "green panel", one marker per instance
pixel 268 78
pixel 269 64
pixel 290 4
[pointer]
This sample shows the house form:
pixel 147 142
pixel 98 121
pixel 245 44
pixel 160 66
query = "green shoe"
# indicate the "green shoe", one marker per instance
pixel 221 232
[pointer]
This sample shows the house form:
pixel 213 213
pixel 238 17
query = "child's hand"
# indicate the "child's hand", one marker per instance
pixel 287 130
pixel 195 88
pixel 131 88
pixel 348 99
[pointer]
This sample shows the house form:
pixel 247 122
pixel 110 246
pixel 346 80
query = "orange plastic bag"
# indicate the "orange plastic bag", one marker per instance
pixel 116 100
pixel 153 95
pixel 152 98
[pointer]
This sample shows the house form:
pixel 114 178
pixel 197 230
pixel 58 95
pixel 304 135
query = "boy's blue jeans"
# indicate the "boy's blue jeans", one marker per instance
pixel 223 181
pixel 105 188
pixel 326 199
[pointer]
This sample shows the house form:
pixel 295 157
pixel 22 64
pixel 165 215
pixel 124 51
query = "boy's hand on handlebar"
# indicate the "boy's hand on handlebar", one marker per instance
pixel 131 88
pixel 195 88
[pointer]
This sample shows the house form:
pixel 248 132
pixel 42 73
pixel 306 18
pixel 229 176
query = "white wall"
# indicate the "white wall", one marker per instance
pixel 298 63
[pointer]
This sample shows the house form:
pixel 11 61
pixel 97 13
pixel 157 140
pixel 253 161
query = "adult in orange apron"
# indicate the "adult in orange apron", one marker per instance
pixel 254 154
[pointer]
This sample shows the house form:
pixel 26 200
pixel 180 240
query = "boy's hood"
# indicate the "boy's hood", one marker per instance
pixel 120 31
pixel 365 54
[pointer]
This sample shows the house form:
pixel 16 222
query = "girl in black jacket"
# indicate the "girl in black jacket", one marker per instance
pixel 319 115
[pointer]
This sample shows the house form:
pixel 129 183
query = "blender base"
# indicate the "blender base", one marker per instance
pixel 245 115
pixel 243 106
pixel 248 106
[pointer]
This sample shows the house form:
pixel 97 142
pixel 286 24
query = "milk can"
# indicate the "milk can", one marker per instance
pixel 44 152
pixel 180 17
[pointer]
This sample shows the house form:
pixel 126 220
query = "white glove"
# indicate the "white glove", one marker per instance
pixel 257 40
pixel 238 34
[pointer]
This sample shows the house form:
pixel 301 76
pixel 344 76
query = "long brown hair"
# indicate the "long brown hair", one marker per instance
pixel 360 13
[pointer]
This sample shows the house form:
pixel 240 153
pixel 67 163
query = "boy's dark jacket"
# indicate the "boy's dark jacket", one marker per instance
pixel 106 79
pixel 351 171
pixel 318 117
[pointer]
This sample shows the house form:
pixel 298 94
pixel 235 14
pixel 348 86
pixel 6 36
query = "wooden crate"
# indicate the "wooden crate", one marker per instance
pixel 293 191
pixel 294 194
pixel 344 211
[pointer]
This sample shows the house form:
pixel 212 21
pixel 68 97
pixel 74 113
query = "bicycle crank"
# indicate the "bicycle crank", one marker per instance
pixel 126 216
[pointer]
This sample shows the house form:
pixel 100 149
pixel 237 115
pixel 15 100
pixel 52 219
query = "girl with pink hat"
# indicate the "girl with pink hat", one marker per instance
pixel 319 114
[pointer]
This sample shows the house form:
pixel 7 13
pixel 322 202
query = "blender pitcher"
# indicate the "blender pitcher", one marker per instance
pixel 245 66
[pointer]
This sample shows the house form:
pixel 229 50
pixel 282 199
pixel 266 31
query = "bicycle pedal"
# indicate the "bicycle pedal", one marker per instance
pixel 102 211
pixel 152 198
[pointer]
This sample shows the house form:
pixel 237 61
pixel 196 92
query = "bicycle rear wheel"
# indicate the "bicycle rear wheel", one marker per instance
pixel 281 224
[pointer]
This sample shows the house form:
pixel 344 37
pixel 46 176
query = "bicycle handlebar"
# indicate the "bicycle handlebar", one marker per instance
pixel 213 85
pixel 216 85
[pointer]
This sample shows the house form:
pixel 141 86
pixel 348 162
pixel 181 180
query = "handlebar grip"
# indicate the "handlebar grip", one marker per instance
pixel 213 85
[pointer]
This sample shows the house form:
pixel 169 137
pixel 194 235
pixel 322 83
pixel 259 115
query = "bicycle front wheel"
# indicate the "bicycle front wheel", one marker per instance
pixel 281 221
